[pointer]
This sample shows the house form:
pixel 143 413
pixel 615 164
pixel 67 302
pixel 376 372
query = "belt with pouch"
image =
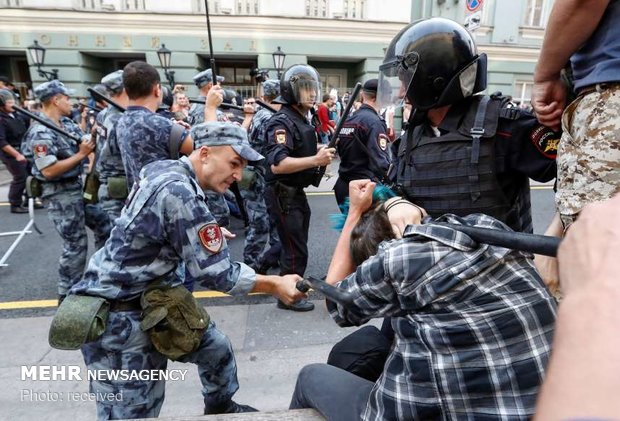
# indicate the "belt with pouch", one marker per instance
pixel 69 180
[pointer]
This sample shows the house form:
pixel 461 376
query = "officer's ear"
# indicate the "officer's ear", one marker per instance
pixel 156 90
pixel 204 153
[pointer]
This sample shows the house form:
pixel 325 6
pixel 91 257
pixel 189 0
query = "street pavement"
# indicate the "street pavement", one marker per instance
pixel 271 345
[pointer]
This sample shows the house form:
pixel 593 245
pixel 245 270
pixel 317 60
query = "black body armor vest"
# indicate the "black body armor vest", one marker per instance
pixel 457 172
pixel 304 145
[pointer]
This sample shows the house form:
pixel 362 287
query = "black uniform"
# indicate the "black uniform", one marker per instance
pixel 364 149
pixel 289 134
pixel 12 130
pixel 478 167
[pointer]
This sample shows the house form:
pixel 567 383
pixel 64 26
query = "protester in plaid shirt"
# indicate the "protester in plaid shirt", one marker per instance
pixel 473 324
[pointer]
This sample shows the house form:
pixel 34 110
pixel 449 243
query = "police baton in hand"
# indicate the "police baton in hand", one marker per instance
pixel 48 124
pixel 102 97
pixel 222 105
pixel 331 292
pixel 320 171
pixel 266 106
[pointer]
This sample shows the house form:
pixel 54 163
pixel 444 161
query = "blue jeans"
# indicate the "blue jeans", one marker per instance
pixel 335 393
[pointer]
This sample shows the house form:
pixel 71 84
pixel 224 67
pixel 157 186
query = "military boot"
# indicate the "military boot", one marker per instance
pixel 230 407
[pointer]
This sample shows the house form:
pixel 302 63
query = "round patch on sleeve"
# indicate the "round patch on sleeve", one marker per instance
pixel 211 237
pixel 281 136
pixel 40 150
pixel 383 141
pixel 545 140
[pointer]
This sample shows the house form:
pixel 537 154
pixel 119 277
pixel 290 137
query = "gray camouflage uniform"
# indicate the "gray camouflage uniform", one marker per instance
pixel 216 202
pixel 65 204
pixel 162 225
pixel 260 229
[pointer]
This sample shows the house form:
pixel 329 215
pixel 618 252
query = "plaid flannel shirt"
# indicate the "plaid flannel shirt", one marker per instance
pixel 473 325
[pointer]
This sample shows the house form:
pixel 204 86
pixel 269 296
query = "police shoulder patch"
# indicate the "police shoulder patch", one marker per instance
pixel 545 140
pixel 40 150
pixel 211 237
pixel 280 136
pixel 383 141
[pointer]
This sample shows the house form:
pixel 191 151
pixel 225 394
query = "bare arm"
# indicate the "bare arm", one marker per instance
pixel 9 150
pixel 548 266
pixel 570 25
pixel 360 196
pixel 283 287
pixel 187 147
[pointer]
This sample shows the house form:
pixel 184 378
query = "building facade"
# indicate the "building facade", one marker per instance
pixel 344 39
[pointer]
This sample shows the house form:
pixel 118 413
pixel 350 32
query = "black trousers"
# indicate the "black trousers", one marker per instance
pixel 293 224
pixel 19 172
pixel 341 190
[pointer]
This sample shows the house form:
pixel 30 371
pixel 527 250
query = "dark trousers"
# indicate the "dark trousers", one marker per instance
pixel 293 224
pixel 341 190
pixel 19 172
pixel 337 394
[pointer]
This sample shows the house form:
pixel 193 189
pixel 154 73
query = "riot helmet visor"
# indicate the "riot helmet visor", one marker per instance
pixel 395 79
pixel 306 90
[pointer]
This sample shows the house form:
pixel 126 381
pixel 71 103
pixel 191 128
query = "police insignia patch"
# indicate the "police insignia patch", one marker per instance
pixel 383 141
pixel 40 151
pixel 280 137
pixel 211 237
pixel 545 140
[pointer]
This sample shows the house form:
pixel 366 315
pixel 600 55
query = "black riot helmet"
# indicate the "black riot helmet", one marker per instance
pixel 434 62
pixel 300 84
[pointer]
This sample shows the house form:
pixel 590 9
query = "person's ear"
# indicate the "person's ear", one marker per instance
pixel 157 90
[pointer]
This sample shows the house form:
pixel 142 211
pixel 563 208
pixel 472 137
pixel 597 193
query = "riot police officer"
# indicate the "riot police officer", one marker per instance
pixel 109 164
pixel 292 159
pixel 363 145
pixel 462 153
pixel 58 168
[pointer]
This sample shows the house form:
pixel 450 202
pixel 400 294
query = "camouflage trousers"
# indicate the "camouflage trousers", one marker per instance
pixel 260 230
pixel 124 346
pixel 111 206
pixel 589 152
pixel 70 216
pixel 218 207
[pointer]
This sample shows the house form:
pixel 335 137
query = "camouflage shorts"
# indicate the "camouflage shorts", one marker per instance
pixel 589 152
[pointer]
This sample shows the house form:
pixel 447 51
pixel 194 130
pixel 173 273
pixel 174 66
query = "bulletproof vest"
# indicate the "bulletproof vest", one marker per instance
pixel 304 144
pixel 456 172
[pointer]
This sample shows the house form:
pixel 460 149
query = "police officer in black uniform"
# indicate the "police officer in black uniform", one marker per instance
pixel 12 130
pixel 463 153
pixel 363 145
pixel 293 158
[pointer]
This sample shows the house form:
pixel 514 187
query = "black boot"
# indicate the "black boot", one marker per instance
pixel 301 305
pixel 18 209
pixel 230 407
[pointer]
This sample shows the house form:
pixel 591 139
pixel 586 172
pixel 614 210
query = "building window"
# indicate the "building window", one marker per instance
pixel 10 3
pixel 522 94
pixel 354 9
pixel 536 13
pixel 236 72
pixel 134 5
pixel 316 8
pixel 247 7
pixel 90 4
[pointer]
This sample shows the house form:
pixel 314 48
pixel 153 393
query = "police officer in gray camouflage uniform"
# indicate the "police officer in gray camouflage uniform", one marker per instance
pixel 109 163
pixel 58 166
pixel 261 228
pixel 166 222
pixel 204 82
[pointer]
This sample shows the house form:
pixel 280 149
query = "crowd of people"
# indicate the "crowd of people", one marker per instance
pixel 468 328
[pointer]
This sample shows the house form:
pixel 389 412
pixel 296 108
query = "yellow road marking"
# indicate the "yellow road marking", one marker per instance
pixel 20 305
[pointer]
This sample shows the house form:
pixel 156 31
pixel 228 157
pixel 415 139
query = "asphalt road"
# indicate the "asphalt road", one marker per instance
pixel 32 271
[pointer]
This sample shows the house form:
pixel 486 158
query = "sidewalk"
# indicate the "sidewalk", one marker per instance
pixel 271 346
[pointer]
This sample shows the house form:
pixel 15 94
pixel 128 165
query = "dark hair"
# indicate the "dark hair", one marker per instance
pixel 373 228
pixel 326 97
pixel 139 78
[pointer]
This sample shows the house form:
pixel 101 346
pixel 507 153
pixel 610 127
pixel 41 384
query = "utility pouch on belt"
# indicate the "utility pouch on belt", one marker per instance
pixel 173 320
pixel 286 196
pixel 248 178
pixel 91 188
pixel 79 319
pixel 117 188
pixel 34 188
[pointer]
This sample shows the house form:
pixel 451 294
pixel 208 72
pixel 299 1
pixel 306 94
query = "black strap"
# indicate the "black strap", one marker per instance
pixel 174 144
pixel 477 131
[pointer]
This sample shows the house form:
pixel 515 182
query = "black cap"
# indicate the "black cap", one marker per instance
pixel 371 85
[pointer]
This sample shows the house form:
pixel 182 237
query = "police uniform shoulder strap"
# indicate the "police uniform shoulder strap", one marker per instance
pixel 174 144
